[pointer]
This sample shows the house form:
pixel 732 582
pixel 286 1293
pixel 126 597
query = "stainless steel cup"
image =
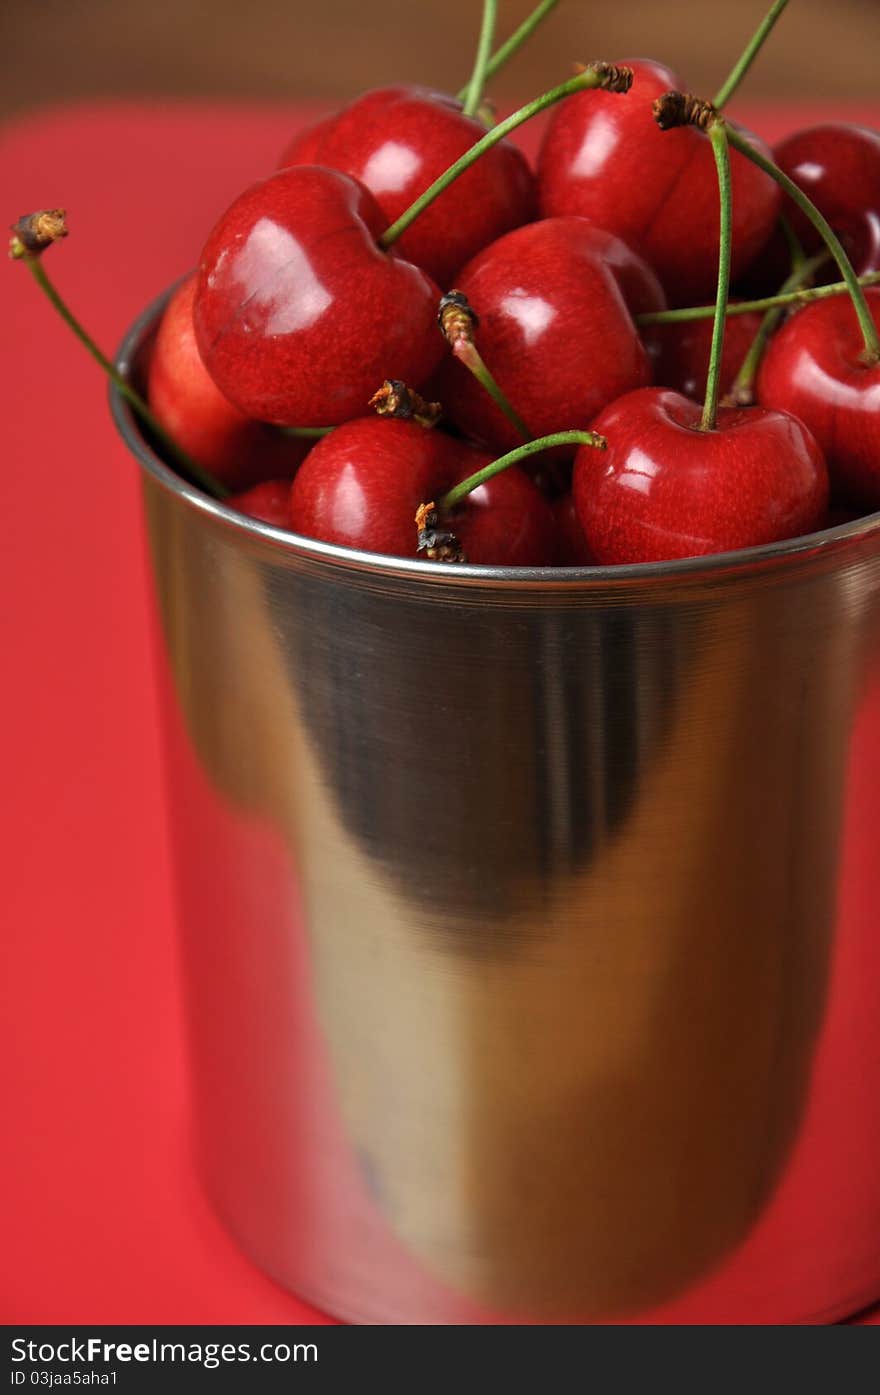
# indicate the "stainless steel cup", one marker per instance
pixel 530 919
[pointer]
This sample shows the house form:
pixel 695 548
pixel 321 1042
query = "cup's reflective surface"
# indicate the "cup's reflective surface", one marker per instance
pixel 531 922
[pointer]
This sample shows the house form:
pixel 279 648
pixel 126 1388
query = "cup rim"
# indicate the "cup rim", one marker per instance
pixel 713 566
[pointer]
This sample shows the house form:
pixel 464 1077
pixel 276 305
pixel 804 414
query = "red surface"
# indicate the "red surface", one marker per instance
pixel 102 1218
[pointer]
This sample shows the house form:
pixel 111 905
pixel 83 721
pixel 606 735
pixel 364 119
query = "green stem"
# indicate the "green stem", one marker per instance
pixel 596 75
pixel 829 237
pixel 742 391
pixel 559 438
pixel 744 307
pixel 484 47
pixel 470 357
pixel 516 40
pixel 753 48
pixel 185 463
pixel 307 433
pixel 721 151
pixel 796 254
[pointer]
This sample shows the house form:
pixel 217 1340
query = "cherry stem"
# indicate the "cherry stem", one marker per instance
pixel 184 462
pixel 832 241
pixel 306 433
pixel 516 40
pixel 744 307
pixel 742 392
pixel 595 75
pixel 796 254
pixel 750 53
pixel 481 63
pixel 458 321
pixel 559 438
pixel 721 151
pixel 470 357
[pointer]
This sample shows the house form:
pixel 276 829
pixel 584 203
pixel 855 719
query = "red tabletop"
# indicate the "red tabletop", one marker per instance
pixel 102 1218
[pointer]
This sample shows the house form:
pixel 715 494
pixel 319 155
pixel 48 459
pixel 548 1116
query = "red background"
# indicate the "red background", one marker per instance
pixel 103 1220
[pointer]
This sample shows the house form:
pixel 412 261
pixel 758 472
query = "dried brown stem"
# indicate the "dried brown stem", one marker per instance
pixel 684 109
pixel 457 319
pixel 614 77
pixel 438 544
pixel 395 399
pixel 34 232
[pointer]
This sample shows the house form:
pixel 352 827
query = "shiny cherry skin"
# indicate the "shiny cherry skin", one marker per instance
pixel 838 166
pixel 554 330
pixel 269 502
pixel 299 314
pixel 571 545
pixel 396 141
pixel 235 450
pixel 665 489
pixel 680 352
pixel 814 367
pixel 361 486
pixel 604 157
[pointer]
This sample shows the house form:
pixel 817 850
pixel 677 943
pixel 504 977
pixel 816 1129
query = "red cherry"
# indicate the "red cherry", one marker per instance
pixel 571 545
pixel 397 141
pixel 814 368
pixel 269 502
pixel 838 167
pixel 680 352
pixel 237 451
pixel 664 488
pixel 606 159
pixel 361 486
pixel 554 329
pixel 299 314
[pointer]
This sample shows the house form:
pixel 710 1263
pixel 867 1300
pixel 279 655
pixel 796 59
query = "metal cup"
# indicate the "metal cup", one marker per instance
pixel 530 918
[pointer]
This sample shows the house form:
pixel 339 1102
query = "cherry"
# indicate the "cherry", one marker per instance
pixel 680 352
pixel 361 486
pixel 553 327
pixel 838 166
pixel 677 480
pixel 816 367
pixel 268 501
pixel 665 488
pixel 299 314
pixel 186 401
pixel 571 545
pixel 397 141
pixel 607 161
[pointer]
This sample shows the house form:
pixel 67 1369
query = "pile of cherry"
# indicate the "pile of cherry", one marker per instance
pixel 308 299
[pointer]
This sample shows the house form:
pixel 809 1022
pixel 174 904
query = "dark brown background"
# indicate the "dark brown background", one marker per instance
pixel 66 49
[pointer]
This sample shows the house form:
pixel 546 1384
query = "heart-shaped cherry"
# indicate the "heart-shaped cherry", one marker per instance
pixel 665 488
pixel 680 352
pixel 607 161
pixel 187 402
pixel 554 329
pixel 268 501
pixel 397 141
pixel 299 313
pixel 816 367
pixel 838 167
pixel 362 485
